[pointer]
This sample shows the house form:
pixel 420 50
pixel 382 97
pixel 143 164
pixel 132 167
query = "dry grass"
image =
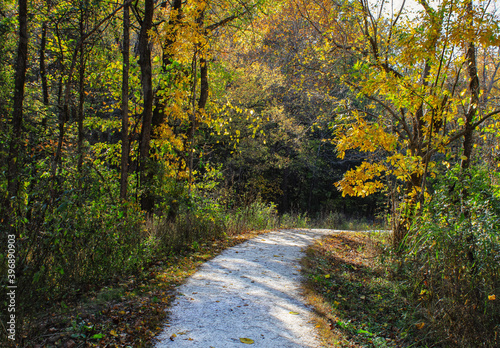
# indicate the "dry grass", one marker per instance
pixel 358 303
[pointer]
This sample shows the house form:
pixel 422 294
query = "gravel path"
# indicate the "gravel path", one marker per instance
pixel 249 291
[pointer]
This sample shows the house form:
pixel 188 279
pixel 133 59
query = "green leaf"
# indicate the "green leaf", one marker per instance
pixel 367 333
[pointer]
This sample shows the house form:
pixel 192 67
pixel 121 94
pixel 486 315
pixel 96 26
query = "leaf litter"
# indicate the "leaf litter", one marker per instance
pixel 359 300
pixel 129 311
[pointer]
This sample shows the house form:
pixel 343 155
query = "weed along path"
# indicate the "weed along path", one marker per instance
pixel 249 294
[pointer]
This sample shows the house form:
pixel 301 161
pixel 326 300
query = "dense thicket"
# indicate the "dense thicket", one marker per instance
pixel 131 129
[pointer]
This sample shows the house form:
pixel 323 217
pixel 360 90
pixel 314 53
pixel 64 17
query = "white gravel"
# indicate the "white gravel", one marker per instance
pixel 250 291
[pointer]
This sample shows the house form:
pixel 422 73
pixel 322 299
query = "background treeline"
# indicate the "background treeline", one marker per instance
pixel 136 128
pixel 131 129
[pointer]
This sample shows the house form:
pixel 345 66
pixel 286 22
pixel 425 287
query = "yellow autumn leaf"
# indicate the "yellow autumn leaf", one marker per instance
pixel 113 333
pixel 492 297
pixel 246 340
pixel 327 276
pixel 294 313
pixel 420 325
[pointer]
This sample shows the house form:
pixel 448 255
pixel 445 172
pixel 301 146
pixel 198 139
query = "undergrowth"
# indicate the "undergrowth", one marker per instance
pixel 332 220
pixel 360 301
pixel 78 250
pixel 452 260
pixel 367 296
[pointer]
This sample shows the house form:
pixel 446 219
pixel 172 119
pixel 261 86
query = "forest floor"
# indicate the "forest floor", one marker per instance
pixel 356 303
pixel 359 299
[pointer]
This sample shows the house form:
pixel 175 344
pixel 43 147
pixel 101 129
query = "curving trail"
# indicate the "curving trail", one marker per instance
pixel 249 291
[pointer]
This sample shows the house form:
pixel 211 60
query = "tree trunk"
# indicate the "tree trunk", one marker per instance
pixel 167 59
pixel 43 72
pixel 17 115
pixel 126 66
pixel 202 101
pixel 474 103
pixel 147 199
pixel 469 133
pixel 81 94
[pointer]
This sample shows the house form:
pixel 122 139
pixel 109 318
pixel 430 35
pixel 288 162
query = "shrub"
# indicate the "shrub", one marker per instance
pixel 454 259
pixel 208 219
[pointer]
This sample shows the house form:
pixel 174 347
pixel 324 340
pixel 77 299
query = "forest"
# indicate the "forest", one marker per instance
pixel 138 128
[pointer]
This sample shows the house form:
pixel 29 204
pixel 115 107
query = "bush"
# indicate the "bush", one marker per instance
pixel 208 219
pixel 453 257
pixel 69 249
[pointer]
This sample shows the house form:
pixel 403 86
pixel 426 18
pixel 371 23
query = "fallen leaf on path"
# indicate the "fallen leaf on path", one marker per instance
pixel 294 313
pixel 246 340
pixel 367 333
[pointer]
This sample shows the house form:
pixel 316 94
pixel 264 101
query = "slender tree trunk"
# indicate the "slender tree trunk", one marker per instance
pixel 81 93
pixel 126 67
pixel 167 59
pixel 43 71
pixel 192 117
pixel 202 101
pixel 17 115
pixel 81 115
pixel 474 102
pixel 147 199
pixel 202 53
pixel 284 188
pixel 469 133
